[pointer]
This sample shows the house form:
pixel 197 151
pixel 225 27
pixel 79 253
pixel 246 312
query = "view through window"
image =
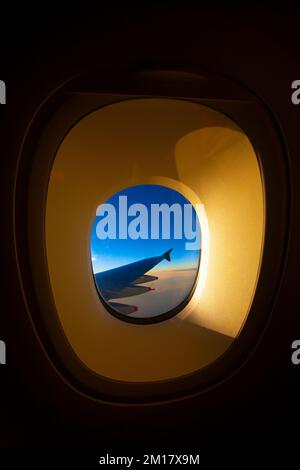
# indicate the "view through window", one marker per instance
pixel 145 251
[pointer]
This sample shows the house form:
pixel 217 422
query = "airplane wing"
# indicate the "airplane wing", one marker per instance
pixel 125 281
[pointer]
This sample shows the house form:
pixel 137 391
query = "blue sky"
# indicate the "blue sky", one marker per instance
pixel 111 253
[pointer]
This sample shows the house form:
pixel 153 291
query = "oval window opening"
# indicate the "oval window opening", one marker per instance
pixel 140 153
pixel 145 252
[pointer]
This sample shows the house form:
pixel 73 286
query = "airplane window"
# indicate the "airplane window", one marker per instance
pixel 123 281
pixel 145 251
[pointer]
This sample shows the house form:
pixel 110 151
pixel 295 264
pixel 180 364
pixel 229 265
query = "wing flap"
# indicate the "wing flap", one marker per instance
pixel 145 278
pixel 129 291
pixel 123 308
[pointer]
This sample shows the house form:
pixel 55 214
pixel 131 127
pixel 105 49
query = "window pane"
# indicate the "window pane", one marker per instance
pixel 145 251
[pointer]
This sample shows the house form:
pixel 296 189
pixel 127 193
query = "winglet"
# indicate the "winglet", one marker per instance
pixel 166 255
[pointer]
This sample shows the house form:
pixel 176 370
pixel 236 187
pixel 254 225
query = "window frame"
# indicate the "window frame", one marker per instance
pixel 53 121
